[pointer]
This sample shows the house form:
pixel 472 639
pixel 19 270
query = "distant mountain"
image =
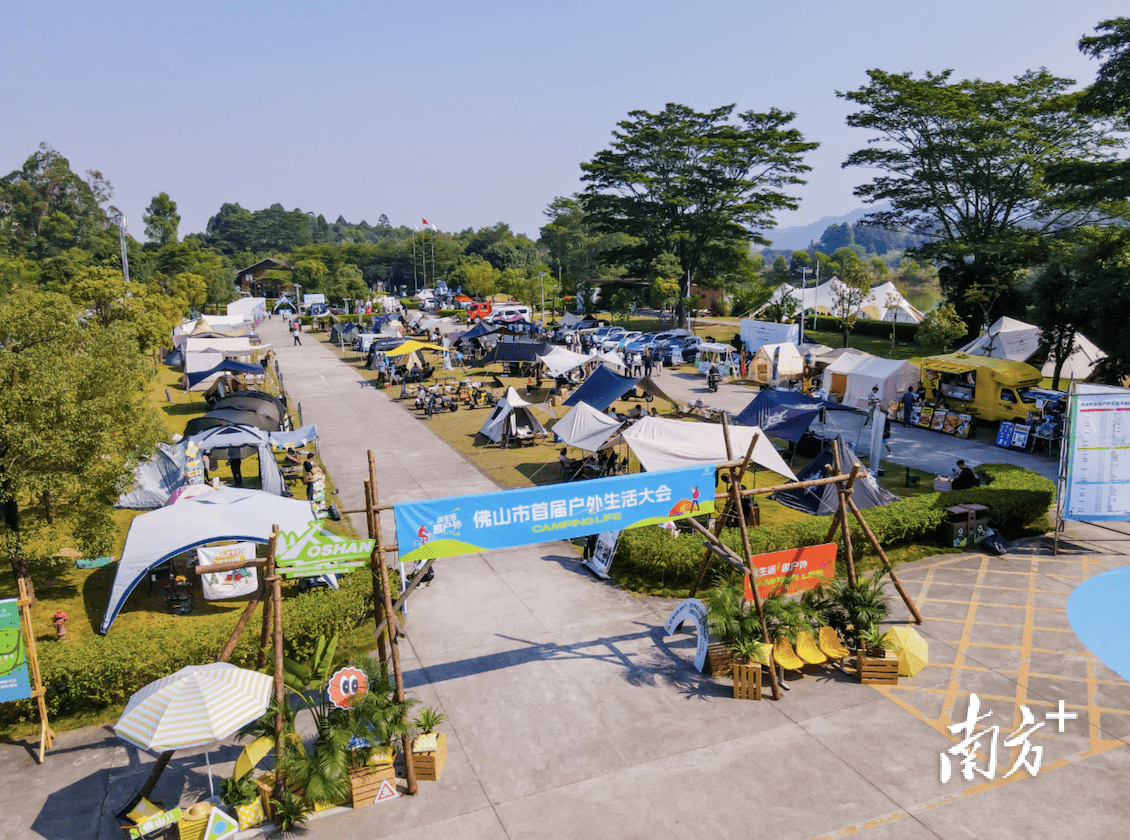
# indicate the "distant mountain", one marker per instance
pixel 796 238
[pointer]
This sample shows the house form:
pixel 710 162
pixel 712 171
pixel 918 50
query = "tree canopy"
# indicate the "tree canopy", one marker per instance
pixel 686 183
pixel 963 164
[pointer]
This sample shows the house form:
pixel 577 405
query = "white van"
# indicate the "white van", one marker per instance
pixel 510 313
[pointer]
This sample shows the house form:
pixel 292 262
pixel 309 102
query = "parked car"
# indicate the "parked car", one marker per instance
pixel 641 343
pixel 478 310
pixel 619 340
pixel 601 334
pixel 688 346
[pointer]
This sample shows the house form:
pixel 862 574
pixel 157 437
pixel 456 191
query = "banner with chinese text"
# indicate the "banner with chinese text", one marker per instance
pixel 802 568
pixel 509 518
pixel 14 682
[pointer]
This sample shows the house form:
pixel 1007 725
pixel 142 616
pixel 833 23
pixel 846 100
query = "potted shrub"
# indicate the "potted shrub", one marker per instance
pixel 874 664
pixel 242 795
pixel 732 621
pixel 852 610
pixel 429 748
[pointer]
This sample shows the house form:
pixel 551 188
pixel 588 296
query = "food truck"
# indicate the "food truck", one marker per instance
pixel 984 386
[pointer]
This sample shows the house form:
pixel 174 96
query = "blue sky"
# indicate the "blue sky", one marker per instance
pixel 466 114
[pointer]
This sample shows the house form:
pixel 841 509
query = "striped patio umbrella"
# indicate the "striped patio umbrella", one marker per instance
pixel 193 707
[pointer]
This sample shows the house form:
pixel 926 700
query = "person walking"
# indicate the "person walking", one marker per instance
pixel 908 401
pixel 647 362
pixel 297 337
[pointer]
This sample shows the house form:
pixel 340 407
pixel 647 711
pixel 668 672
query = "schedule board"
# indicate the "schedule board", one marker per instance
pixel 1098 458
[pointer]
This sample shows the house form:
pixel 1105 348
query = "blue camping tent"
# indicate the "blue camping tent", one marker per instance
pixel 602 389
pixel 230 365
pixel 785 414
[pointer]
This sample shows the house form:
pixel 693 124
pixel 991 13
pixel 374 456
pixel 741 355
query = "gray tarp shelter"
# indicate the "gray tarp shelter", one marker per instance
pixel 155 479
pixel 516 351
pixel 824 500
pixel 226 514
pixel 586 428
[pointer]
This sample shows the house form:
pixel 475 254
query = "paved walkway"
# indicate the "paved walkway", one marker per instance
pixel 570 714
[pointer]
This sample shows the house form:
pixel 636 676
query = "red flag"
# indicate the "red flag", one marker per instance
pixel 425 221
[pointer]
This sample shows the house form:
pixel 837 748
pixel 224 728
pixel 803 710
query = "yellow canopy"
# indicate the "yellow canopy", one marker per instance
pixel 412 347
pixel 913 651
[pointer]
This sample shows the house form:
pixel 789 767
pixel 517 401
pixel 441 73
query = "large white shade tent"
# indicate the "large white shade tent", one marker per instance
pixel 228 513
pixel 663 444
pixel 1011 339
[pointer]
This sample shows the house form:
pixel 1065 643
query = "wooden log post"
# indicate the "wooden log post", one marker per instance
pixel 23 603
pixel 273 580
pixel 244 617
pixel 886 561
pixel 372 520
pixel 394 648
pixel 736 496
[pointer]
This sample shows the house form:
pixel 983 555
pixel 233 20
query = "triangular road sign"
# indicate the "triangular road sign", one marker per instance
pixel 386 792
pixel 220 826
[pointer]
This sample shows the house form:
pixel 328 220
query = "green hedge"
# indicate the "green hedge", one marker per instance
pixel 865 326
pixel 1015 497
pixel 101 670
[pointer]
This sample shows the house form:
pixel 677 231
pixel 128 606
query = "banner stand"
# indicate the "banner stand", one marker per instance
pixel 46 733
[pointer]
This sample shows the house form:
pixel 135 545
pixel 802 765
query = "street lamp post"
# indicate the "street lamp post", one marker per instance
pixel 803 285
pixel 541 274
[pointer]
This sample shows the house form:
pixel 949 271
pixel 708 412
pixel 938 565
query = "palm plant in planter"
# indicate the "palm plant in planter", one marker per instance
pixel 732 621
pixel 852 610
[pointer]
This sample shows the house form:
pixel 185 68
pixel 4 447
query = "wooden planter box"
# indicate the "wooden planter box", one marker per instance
pixel 429 765
pixel 719 658
pixel 872 669
pixel 747 681
pixel 366 781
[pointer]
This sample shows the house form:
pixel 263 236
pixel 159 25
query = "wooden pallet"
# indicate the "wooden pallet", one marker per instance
pixel 365 782
pixel 719 658
pixel 429 765
pixel 872 670
pixel 747 681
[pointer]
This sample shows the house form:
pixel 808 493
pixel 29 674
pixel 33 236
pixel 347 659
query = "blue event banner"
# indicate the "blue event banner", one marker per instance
pixel 14 682
pixel 509 518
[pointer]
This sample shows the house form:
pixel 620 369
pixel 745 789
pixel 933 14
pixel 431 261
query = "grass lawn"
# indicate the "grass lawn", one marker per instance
pixel 84 593
pixel 536 465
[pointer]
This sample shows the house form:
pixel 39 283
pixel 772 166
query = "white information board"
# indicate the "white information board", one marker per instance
pixel 1098 458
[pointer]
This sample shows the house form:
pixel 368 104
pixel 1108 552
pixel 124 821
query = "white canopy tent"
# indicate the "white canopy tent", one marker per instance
pixel 249 308
pixel 586 428
pixel 225 514
pixel 883 303
pixel 775 361
pixel 755 333
pixel 1011 339
pixel 234 347
pixel 853 376
pixel 662 444
pixel 559 361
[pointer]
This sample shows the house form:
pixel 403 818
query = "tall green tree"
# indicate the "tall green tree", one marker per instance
pixel 686 182
pixel 940 328
pixel 161 220
pixel 855 286
pixel 1108 96
pixel 963 163
pixel 74 420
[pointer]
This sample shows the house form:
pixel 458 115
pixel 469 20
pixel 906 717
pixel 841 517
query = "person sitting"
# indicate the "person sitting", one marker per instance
pixel 964 477
pixel 569 466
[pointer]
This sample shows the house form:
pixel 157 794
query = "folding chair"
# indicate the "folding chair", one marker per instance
pixel 807 649
pixel 786 659
pixel 831 646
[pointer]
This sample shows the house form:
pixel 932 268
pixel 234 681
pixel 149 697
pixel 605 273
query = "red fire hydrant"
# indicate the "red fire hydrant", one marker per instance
pixel 60 622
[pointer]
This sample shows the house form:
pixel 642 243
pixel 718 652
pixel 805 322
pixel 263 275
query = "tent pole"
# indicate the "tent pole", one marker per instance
pixel 886 562
pixel 378 599
pixel 394 647
pixel 736 501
